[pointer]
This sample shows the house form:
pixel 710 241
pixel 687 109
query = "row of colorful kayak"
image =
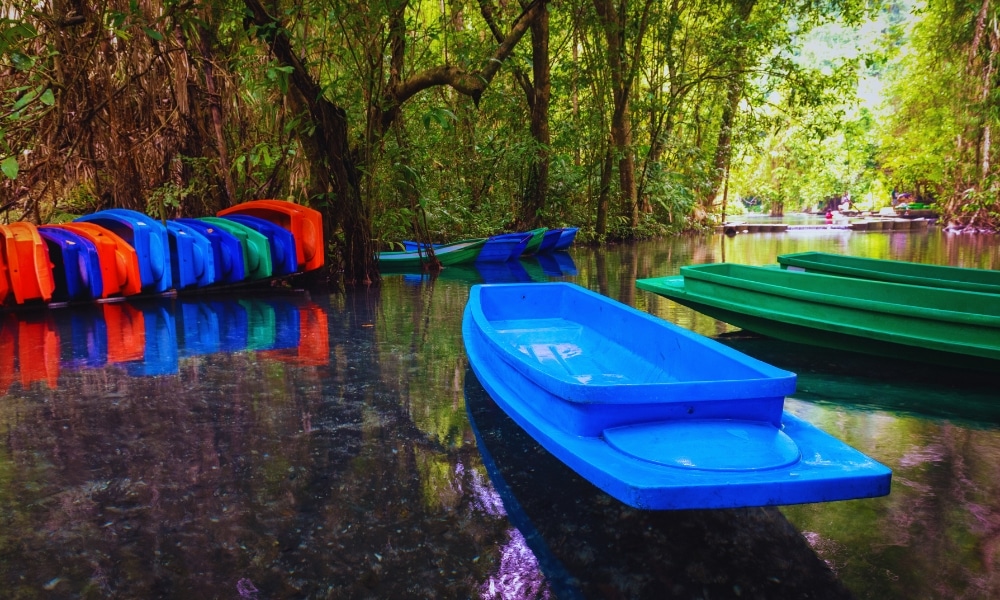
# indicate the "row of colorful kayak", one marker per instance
pixel 495 249
pixel 121 253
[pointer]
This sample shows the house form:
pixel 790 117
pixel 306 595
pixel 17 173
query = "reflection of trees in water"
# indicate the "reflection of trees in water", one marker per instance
pixel 238 474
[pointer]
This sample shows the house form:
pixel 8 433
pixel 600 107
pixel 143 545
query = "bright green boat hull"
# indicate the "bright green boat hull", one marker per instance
pixel 455 253
pixel 895 271
pixel 936 325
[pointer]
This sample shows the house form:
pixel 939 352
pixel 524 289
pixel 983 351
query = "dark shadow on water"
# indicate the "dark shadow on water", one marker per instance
pixel 589 545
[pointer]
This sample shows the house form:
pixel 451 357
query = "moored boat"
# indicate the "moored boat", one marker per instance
pixel 280 241
pixel 549 240
pixel 655 415
pixel 537 236
pixel 936 325
pixel 895 271
pixel 120 269
pixel 256 249
pixel 306 225
pixel 76 265
pixel 26 256
pixel 227 251
pixel 192 260
pixel 566 237
pixel 147 236
pixel 464 251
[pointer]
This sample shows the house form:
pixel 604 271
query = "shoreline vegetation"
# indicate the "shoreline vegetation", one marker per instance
pixel 400 120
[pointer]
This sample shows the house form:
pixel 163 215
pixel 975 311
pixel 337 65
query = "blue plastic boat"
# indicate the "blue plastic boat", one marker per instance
pixel 192 261
pixel 503 247
pixel 549 241
pixel 566 237
pixel 281 242
pixel 227 251
pixel 76 266
pixel 149 239
pixel 655 415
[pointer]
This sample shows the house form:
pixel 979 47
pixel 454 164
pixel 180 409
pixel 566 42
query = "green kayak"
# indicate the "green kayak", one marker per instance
pixel 455 253
pixel 896 271
pixel 935 325
pixel 256 247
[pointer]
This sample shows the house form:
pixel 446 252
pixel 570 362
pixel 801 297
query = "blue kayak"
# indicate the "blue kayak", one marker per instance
pixel 76 266
pixel 192 260
pixel 281 241
pixel 655 415
pixel 149 239
pixel 227 251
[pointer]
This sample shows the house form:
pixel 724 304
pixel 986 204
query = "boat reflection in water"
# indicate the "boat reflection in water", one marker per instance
pixel 570 526
pixel 150 337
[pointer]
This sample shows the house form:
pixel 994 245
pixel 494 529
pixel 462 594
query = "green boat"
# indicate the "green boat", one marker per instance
pixel 256 248
pixel 896 271
pixel 455 253
pixel 537 235
pixel 936 325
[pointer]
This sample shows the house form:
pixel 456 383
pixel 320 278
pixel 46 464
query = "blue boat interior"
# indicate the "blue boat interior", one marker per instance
pixel 227 251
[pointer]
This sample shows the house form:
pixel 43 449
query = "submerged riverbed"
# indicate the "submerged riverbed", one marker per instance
pixel 337 446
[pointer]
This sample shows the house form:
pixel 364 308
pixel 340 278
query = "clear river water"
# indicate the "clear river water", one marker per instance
pixel 313 445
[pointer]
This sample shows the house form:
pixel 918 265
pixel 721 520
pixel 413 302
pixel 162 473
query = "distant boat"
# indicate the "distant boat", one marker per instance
pixel 537 236
pixel 566 237
pixel 935 325
pixel 464 251
pixel 655 415
pixel 25 257
pixel 896 271
pixel 549 240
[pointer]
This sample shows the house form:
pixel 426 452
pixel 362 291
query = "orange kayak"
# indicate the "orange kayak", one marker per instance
pixel 29 271
pixel 306 225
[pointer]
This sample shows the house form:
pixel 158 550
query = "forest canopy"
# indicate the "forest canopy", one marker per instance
pixel 440 120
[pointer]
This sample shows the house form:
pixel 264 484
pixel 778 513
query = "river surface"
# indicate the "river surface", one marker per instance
pixel 311 445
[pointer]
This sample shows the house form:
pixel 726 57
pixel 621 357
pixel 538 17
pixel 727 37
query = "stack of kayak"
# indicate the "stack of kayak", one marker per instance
pixel 122 253
pixel 947 316
pixel 494 249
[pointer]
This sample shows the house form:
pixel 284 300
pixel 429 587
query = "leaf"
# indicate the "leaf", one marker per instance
pixel 154 34
pixel 9 167
pixel 48 98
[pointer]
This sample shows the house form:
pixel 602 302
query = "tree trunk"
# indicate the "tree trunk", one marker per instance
pixel 330 142
pixel 536 191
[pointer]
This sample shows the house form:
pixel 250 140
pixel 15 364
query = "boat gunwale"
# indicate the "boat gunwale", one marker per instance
pixel 772 381
pixel 700 272
pixel 858 331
